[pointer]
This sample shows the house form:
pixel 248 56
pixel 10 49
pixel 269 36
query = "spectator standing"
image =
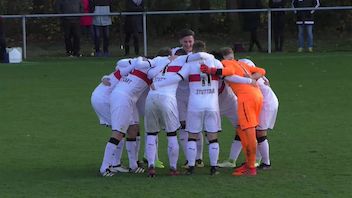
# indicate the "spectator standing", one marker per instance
pixel 2 41
pixel 305 22
pixel 87 21
pixel 133 25
pixel 71 25
pixel 278 23
pixel 101 25
pixel 251 21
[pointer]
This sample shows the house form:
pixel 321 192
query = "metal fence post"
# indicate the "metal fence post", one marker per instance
pixel 269 31
pixel 24 37
pixel 145 34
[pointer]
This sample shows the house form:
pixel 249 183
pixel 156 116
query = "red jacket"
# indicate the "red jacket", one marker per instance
pixel 86 20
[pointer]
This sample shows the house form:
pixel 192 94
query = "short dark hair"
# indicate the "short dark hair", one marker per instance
pixel 165 51
pixel 180 52
pixel 185 32
pixel 199 46
pixel 217 54
pixel 226 51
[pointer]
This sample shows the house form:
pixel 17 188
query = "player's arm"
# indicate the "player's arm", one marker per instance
pixel 257 72
pixel 106 79
pixel 125 66
pixel 157 65
pixel 198 56
pixel 239 79
pixel 172 79
pixel 227 70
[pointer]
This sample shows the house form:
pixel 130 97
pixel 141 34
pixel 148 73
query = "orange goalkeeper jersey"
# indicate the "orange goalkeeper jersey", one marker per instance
pixel 233 67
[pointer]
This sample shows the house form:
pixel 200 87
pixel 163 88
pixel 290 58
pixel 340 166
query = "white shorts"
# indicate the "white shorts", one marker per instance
pixel 208 121
pixel 141 103
pixel 123 112
pixel 228 107
pixel 267 117
pixel 100 100
pixel 182 96
pixel 161 113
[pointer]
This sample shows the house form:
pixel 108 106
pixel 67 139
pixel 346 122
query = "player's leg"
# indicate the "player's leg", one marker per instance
pixel 173 152
pixel 200 146
pixel 183 137
pixel 235 151
pixel 212 124
pixel 194 127
pixel 110 149
pixel 263 149
pixel 230 111
pixel 214 150
pixel 171 123
pixel 131 146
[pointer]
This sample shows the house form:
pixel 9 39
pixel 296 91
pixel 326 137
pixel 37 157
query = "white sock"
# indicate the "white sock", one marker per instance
pixel 236 148
pixel 157 148
pixel 151 149
pixel 191 152
pixel 131 151
pixel 138 146
pixel 263 148
pixel 173 151
pixel 183 141
pixel 118 153
pixel 108 156
pixel 145 146
pixel 214 153
pixel 200 145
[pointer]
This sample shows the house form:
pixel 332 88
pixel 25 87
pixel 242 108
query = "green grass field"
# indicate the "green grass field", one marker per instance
pixel 51 144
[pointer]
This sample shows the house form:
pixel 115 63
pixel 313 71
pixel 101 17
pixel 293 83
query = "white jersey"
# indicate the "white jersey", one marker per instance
pixel 135 83
pixel 203 87
pixel 269 97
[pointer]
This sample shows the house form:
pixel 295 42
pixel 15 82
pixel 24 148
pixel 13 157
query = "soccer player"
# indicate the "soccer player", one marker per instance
pixel 249 105
pixel 162 113
pixel 101 105
pixel 203 113
pixel 124 115
pixel 267 118
pixel 186 40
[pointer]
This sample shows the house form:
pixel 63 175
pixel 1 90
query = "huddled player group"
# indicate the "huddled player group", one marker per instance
pixel 184 92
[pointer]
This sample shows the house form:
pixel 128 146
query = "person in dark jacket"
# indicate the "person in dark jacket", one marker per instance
pixel 278 23
pixel 71 25
pixel 305 21
pixel 251 21
pixel 2 41
pixel 101 25
pixel 133 25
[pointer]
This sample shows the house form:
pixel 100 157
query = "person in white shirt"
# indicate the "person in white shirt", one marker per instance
pixel 203 112
pixel 124 114
pixel 101 105
pixel 186 40
pixel 267 119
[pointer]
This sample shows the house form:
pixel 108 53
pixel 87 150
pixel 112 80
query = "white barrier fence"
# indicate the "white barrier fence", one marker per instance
pixel 148 13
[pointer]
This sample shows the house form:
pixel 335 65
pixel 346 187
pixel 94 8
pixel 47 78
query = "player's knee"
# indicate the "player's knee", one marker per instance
pixel 193 136
pixel 170 134
pixel 237 138
pixel 131 139
pixel 192 139
pixel 113 140
pixel 152 134
pixel 261 139
pixel 261 133
pixel 117 135
pixel 213 141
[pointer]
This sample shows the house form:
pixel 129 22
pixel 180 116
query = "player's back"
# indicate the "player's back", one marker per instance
pixel 203 87
pixel 172 68
pixel 135 83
